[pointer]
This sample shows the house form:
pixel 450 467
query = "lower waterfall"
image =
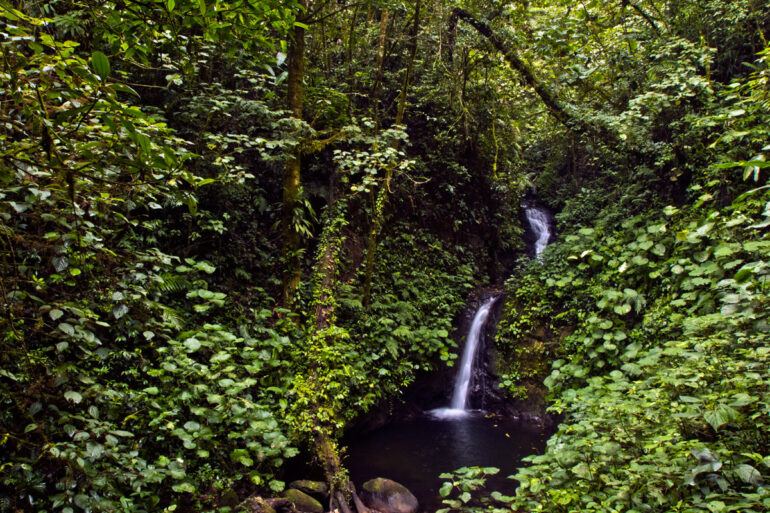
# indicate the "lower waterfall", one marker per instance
pixel 458 406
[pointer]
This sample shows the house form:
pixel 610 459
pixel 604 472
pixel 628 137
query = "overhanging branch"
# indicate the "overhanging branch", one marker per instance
pixel 549 98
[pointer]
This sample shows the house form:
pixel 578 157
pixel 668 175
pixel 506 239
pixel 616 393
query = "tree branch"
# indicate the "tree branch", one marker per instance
pixel 546 94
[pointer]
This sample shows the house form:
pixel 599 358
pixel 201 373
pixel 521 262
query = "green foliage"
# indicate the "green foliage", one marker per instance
pixel 117 393
pixel 145 366
pixel 661 380
pixel 368 355
pixel 464 482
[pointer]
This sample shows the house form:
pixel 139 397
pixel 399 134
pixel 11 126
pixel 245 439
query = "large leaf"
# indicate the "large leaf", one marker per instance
pixel 101 64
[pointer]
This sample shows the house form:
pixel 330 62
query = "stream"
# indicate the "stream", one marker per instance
pixel 415 452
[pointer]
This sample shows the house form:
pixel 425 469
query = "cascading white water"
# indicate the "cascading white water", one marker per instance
pixel 459 402
pixel 463 380
pixel 538 221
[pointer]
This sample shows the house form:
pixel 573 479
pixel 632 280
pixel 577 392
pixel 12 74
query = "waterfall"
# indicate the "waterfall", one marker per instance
pixel 538 220
pixel 459 402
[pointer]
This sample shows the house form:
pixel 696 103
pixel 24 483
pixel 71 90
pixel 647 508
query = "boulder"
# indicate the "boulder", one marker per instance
pixel 388 496
pixel 255 504
pixel 304 502
pixel 229 499
pixel 315 488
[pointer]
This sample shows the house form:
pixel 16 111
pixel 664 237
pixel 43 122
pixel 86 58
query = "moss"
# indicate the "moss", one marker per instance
pixel 304 502
pixel 318 488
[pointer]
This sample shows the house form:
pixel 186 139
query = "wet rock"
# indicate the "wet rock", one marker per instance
pixel 388 496
pixel 229 499
pixel 314 488
pixel 304 502
pixel 255 505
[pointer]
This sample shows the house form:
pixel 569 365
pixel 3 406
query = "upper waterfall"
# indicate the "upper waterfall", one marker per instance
pixel 539 222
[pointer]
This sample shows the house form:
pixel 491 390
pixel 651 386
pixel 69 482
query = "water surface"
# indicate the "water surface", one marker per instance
pixel 415 452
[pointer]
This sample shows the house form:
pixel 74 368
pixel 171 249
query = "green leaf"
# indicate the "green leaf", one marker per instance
pixel 205 267
pixel 101 64
pixel 276 485
pixel 719 416
pixel 122 88
pixel 120 432
pixel 659 250
pixel 60 263
pixel 748 474
pixel 95 450
pixel 55 313
pixel 392 348
pixel 191 425
pixel 192 344
pixel 581 470
pixel 622 309
pixel 743 274
pixel 119 310
pixel 82 501
pixel 184 487
pixel 73 396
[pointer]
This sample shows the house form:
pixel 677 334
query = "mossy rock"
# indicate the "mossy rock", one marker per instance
pixel 388 496
pixel 304 502
pixel 229 499
pixel 317 489
pixel 255 505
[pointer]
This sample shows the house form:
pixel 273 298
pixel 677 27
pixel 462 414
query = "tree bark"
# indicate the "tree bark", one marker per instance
pixel 512 58
pixel 409 65
pixel 546 94
pixel 291 175
pixel 325 444
pixel 377 89
pixel 349 58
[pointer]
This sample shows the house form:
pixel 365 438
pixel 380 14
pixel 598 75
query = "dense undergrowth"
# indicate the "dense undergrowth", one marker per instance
pixel 229 228
pixel 662 382
pixel 146 364
pixel 659 343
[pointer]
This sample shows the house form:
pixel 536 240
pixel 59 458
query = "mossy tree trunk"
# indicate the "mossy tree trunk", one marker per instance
pixel 545 92
pixel 382 197
pixel 317 414
pixel 291 250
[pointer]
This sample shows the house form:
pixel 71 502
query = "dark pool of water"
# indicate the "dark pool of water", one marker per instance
pixel 415 452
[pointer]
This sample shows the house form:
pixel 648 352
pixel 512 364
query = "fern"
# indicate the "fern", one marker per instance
pixel 174 283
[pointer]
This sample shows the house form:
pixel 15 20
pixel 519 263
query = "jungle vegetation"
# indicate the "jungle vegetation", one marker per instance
pixel 229 228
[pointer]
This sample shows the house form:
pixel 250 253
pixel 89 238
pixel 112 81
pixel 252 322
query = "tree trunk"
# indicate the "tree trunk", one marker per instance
pixel 349 58
pixel 325 445
pixel 382 197
pixel 409 65
pixel 377 90
pixel 291 175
